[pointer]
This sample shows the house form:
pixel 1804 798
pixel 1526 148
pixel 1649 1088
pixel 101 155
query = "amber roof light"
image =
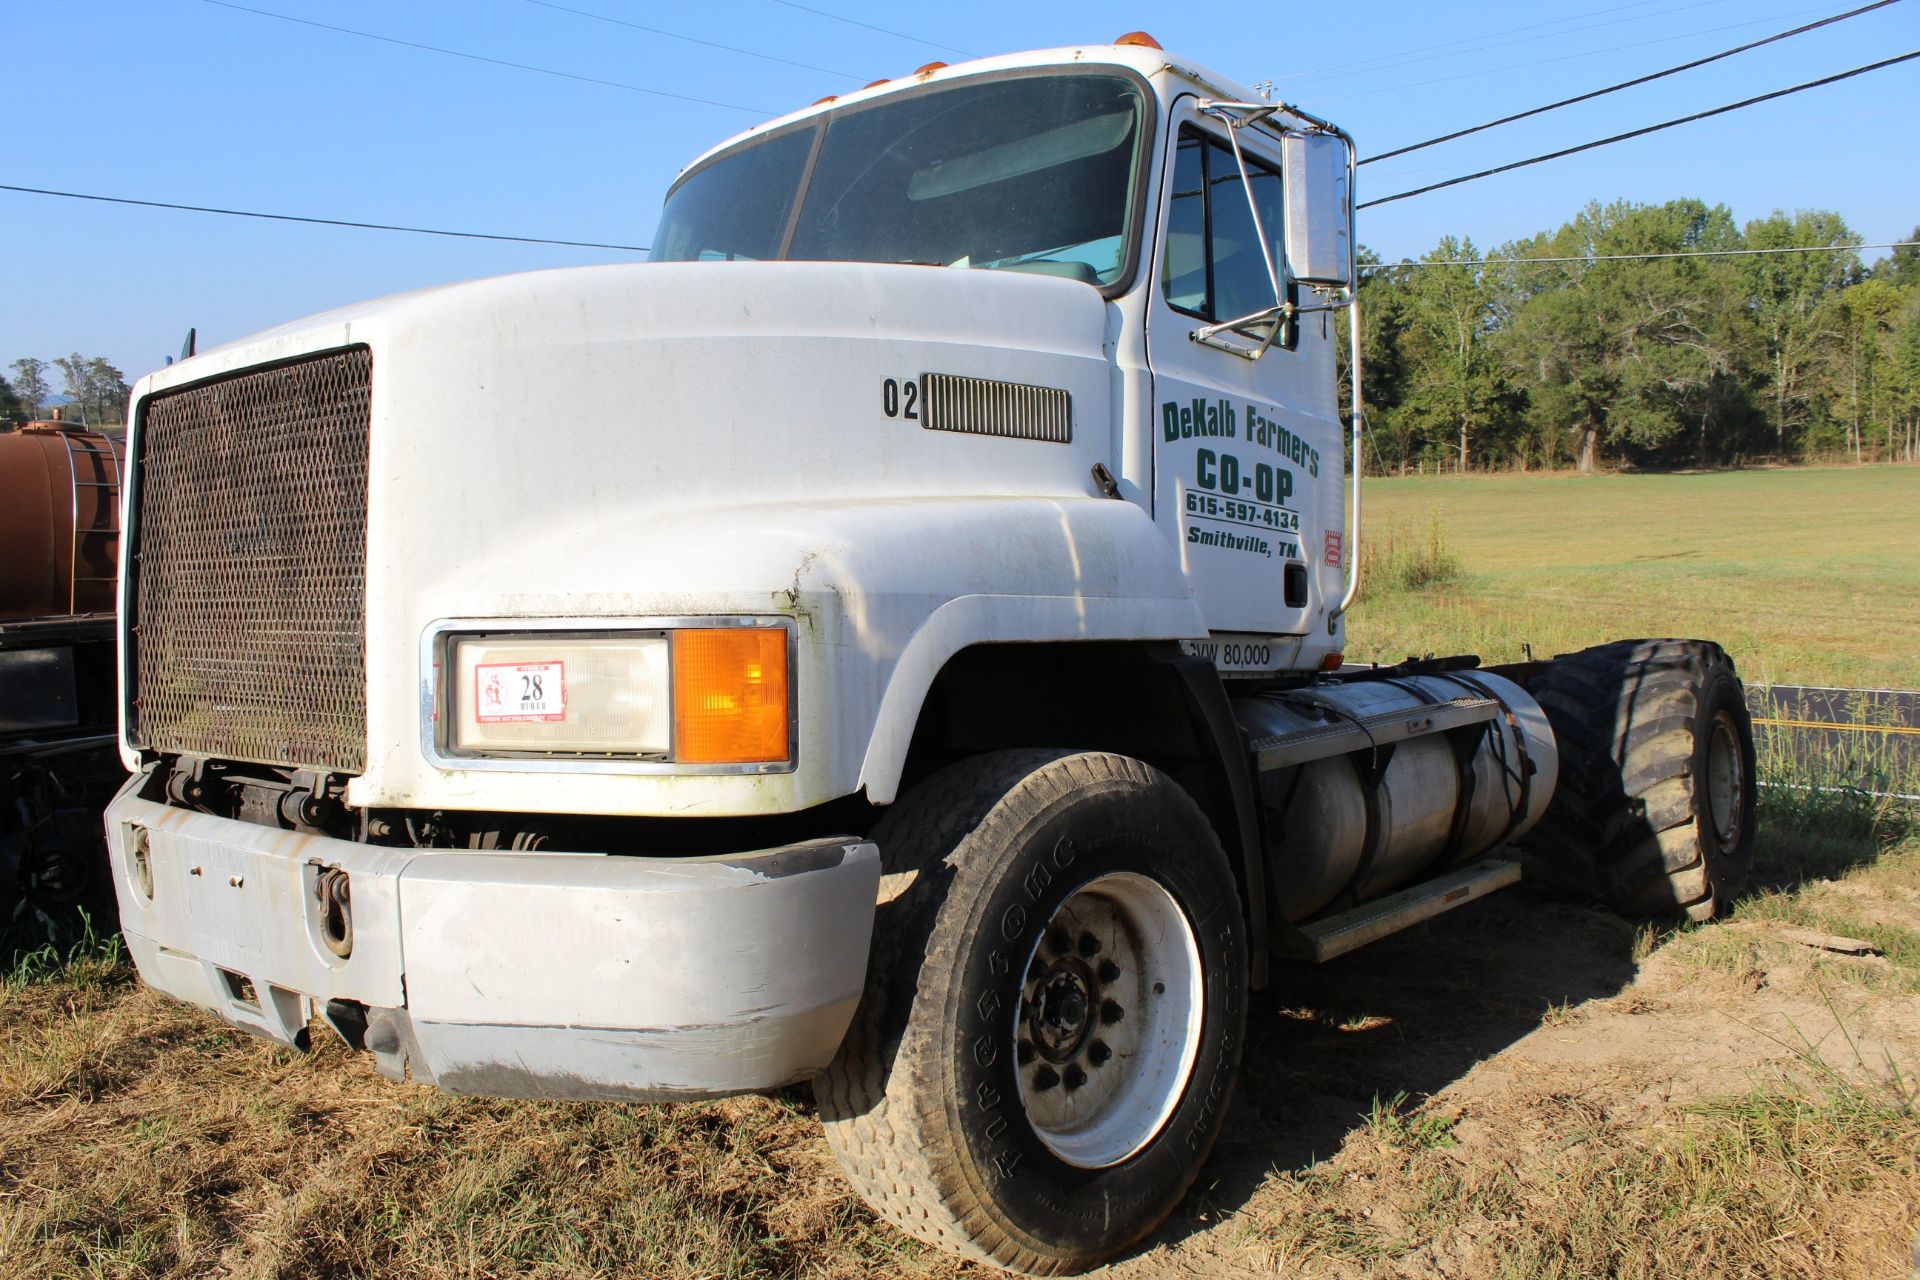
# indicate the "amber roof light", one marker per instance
pixel 1139 38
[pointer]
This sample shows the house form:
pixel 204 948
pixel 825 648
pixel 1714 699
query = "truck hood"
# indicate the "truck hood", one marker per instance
pixel 562 418
pixel 720 439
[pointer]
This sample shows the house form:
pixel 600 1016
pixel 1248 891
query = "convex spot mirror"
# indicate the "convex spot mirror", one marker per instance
pixel 1318 218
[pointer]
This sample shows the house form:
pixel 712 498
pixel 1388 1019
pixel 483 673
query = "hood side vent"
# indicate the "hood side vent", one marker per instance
pixel 984 407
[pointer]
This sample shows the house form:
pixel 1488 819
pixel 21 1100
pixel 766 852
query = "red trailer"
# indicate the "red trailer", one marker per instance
pixel 59 545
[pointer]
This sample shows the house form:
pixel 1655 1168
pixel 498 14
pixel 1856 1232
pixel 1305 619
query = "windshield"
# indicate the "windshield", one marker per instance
pixel 1032 174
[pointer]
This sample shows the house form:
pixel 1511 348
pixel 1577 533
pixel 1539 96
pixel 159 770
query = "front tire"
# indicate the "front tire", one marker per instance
pixel 1054 1012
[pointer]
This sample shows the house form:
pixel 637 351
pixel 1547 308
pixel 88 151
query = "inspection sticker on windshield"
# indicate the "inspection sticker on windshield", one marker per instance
pixel 509 691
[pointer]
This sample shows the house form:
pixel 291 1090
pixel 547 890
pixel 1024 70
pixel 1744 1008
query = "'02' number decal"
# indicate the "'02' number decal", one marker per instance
pixel 900 399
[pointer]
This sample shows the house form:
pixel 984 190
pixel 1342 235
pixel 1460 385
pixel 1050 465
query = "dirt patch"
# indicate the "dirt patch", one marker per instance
pixel 1512 1093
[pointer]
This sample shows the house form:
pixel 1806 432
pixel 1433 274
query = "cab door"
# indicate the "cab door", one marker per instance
pixel 1230 478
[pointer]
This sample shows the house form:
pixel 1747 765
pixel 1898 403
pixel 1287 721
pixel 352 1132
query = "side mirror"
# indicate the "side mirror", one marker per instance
pixel 1319 214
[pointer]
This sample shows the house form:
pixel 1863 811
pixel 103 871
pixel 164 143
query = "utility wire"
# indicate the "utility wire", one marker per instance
pixel 726 48
pixel 1366 64
pixel 885 31
pixel 1478 72
pixel 1404 59
pixel 497 62
pixel 323 222
pixel 1638 133
pixel 1638 257
pixel 1624 84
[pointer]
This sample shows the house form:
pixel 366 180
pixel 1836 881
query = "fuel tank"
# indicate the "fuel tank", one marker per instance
pixel 59 520
pixel 1405 805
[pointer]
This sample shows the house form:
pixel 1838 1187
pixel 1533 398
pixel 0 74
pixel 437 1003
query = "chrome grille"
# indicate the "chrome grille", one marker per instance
pixel 249 569
pixel 981 406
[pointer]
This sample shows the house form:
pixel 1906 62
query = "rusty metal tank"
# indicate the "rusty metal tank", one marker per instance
pixel 59 520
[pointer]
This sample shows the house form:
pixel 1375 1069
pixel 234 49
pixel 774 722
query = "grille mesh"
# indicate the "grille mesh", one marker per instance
pixel 250 567
pixel 982 406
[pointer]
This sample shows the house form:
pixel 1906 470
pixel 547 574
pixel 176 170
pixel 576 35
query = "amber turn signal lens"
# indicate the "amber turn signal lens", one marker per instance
pixel 1332 661
pixel 730 695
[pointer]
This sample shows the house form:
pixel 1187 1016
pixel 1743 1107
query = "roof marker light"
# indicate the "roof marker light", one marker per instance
pixel 875 84
pixel 1140 38
pixel 929 69
pixel 832 97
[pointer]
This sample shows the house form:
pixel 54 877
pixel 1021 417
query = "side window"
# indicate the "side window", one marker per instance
pixel 1187 262
pixel 1213 267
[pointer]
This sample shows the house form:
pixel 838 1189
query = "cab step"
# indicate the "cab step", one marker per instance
pixel 1336 935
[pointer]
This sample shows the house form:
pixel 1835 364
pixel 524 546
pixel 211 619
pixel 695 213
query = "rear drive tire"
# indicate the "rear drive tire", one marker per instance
pixel 1654 810
pixel 1054 1011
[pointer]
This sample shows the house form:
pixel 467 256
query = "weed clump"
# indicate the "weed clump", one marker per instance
pixel 1403 558
pixel 88 958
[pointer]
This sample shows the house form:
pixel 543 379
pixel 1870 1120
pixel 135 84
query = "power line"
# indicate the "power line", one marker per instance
pixel 727 48
pixel 1638 133
pixel 640 248
pixel 1405 59
pixel 323 222
pixel 1624 84
pixel 885 31
pixel 1638 257
pixel 497 62
pixel 1477 72
pixel 1367 63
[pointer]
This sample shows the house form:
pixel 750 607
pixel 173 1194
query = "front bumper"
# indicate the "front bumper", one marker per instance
pixel 553 975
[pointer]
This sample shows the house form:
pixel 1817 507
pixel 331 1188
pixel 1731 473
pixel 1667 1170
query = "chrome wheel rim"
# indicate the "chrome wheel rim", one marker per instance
pixel 1726 788
pixel 1108 1023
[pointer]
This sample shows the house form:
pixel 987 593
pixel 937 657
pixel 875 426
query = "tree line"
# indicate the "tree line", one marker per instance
pixel 90 384
pixel 1525 361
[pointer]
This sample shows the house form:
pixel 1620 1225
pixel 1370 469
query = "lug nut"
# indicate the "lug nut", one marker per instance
pixel 1111 1012
pixel 1089 945
pixel 1024 1052
pixel 1075 1077
pixel 1059 943
pixel 1045 1078
pixel 1109 971
pixel 1098 1053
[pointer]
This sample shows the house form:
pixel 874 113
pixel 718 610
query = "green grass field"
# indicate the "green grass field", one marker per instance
pixel 1806 576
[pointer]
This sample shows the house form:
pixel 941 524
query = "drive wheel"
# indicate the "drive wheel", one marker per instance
pixel 1053 1015
pixel 1654 810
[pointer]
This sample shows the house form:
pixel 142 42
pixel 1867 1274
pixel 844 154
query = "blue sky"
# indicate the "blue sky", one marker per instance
pixel 194 102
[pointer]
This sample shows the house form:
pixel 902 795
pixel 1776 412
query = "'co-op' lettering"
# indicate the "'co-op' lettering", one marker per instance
pixel 1220 472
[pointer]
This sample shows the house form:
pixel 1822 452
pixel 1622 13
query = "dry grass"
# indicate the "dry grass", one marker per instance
pixel 1806 1175
pixel 138 1139
pixel 1466 1118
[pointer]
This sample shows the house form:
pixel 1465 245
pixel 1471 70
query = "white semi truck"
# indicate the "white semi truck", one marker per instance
pixel 894 638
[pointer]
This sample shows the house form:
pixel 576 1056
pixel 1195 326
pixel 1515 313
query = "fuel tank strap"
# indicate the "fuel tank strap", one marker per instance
pixel 1357 733
pixel 1523 777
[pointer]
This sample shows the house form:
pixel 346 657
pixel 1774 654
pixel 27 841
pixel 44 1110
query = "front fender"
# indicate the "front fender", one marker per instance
pixel 883 594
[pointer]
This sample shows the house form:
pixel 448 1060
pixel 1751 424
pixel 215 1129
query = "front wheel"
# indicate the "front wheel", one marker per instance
pixel 1054 1011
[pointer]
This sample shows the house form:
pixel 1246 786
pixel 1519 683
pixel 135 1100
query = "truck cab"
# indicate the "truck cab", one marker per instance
pixel 1162 193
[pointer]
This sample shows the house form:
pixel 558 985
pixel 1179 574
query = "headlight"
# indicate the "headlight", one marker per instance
pixel 697 695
